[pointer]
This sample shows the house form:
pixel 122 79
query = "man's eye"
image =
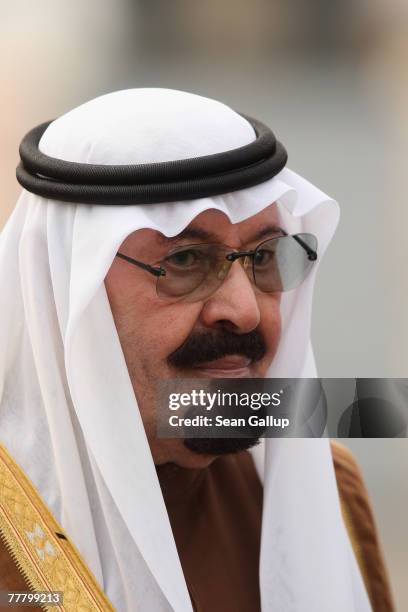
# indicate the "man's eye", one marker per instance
pixel 263 257
pixel 183 259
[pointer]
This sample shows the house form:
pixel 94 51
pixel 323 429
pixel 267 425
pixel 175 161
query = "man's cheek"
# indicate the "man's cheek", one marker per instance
pixel 271 326
pixel 170 331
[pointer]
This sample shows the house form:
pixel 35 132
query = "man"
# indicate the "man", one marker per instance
pixel 136 254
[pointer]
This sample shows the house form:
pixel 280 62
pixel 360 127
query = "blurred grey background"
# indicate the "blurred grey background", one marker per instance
pixel 330 78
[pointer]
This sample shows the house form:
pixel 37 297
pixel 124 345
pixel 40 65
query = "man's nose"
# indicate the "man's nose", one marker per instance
pixel 234 304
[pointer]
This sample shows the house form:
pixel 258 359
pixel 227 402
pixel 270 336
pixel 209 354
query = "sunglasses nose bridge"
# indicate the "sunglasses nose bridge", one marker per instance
pixel 224 268
pixel 245 261
pixel 227 263
pixel 243 257
pixel 228 260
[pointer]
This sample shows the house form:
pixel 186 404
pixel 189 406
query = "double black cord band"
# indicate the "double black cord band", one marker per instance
pixel 152 183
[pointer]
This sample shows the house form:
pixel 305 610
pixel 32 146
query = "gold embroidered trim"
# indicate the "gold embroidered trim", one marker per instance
pixel 355 543
pixel 42 552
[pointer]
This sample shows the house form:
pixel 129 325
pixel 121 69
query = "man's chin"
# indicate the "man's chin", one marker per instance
pixel 219 446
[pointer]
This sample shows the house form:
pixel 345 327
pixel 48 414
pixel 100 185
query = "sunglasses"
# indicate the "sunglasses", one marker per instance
pixel 194 272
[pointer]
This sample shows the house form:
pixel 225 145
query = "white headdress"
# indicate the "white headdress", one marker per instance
pixel 68 413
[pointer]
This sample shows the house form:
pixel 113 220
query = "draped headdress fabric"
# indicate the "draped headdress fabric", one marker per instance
pixel 68 413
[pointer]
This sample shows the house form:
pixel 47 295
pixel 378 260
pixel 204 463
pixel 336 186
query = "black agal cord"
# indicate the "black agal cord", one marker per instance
pixel 184 179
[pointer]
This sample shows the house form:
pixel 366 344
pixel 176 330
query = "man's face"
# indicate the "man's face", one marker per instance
pixel 232 333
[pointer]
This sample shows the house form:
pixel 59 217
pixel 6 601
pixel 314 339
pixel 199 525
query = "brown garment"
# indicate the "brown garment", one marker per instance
pixel 215 515
pixel 210 510
pixel 224 507
pixel 11 580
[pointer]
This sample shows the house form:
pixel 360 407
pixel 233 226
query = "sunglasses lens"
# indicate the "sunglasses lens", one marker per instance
pixel 193 273
pixel 282 263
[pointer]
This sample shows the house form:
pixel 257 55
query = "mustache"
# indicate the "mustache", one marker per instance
pixel 202 347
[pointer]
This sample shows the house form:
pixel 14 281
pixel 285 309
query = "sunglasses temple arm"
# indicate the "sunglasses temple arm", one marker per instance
pixel 311 253
pixel 144 266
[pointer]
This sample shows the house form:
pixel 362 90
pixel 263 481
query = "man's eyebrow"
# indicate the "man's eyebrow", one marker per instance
pixel 266 230
pixel 197 233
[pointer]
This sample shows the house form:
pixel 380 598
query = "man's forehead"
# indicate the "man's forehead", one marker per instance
pixel 213 226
